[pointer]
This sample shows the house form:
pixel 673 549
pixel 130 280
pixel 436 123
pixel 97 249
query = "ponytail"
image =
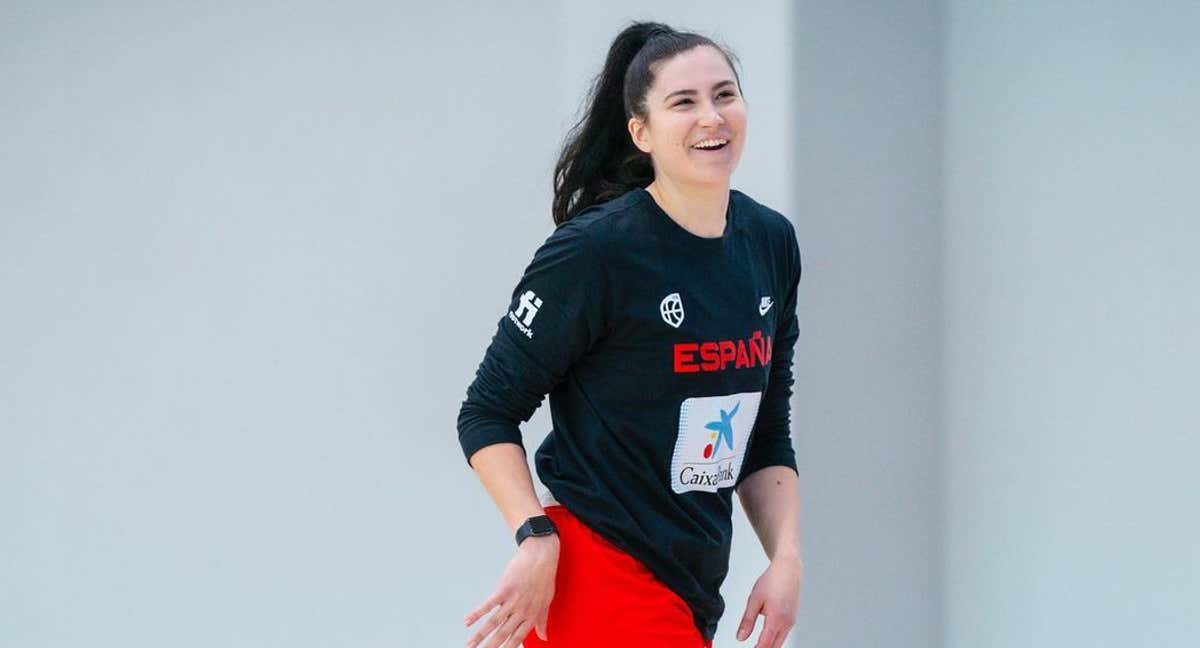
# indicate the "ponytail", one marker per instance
pixel 599 161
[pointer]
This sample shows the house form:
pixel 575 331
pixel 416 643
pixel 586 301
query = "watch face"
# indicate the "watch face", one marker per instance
pixel 541 525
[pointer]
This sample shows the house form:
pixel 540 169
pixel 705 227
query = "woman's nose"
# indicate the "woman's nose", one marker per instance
pixel 712 115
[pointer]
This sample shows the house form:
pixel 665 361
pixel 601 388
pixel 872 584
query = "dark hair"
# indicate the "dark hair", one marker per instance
pixel 599 161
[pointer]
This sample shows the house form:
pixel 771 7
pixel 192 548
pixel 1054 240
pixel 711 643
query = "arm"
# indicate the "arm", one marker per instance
pixel 771 439
pixel 771 499
pixel 505 475
pixel 556 314
pixel 526 587
pixel 768 487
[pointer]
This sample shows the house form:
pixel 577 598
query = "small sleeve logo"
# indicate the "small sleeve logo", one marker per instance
pixel 527 308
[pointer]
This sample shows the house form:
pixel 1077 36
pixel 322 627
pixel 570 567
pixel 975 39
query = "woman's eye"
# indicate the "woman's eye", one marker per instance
pixel 727 93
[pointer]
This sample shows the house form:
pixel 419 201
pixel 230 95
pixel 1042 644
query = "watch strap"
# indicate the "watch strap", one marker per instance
pixel 538 525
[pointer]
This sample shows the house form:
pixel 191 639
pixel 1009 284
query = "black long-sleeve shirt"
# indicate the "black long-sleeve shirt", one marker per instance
pixel 667 357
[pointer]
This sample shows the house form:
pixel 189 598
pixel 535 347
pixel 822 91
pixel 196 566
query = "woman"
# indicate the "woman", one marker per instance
pixel 660 317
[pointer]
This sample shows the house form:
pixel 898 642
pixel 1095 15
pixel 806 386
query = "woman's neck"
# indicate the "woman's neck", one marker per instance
pixel 698 209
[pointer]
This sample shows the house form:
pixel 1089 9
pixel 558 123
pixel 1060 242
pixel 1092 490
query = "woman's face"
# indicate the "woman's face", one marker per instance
pixel 694 98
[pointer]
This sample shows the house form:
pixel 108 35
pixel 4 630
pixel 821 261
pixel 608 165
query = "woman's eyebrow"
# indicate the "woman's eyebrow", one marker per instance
pixel 689 91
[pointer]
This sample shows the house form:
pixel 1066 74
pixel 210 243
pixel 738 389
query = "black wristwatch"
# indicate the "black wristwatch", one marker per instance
pixel 538 525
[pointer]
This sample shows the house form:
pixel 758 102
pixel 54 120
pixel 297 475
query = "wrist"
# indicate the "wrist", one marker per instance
pixel 540 544
pixel 791 558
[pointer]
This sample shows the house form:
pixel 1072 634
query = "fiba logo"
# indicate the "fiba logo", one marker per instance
pixel 671 309
pixel 527 308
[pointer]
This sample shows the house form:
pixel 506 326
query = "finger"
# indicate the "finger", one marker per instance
pixel 483 609
pixel 502 633
pixel 749 619
pixel 540 629
pixel 767 637
pixel 492 622
pixel 518 635
pixel 781 637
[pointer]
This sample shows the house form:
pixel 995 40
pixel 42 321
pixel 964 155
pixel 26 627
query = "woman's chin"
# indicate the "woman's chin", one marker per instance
pixel 712 176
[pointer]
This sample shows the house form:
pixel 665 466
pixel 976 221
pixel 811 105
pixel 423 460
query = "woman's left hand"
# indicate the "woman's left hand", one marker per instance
pixel 776 596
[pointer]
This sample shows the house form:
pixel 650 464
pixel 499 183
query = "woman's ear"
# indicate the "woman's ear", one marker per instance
pixel 637 132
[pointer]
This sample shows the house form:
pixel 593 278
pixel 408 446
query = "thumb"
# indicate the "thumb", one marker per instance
pixel 749 618
pixel 540 629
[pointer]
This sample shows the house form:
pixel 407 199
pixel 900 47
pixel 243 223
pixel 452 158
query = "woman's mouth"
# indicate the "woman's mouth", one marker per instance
pixel 711 144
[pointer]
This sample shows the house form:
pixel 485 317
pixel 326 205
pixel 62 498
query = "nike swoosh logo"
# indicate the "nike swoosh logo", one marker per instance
pixel 763 308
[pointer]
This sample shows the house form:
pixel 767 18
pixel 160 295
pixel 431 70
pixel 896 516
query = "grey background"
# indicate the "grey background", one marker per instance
pixel 1071 316
pixel 251 254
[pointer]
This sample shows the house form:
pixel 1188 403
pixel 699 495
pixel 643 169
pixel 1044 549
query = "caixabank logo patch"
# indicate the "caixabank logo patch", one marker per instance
pixel 713 431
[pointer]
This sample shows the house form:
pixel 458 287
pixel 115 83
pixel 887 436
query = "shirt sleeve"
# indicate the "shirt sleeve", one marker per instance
pixel 771 441
pixel 556 313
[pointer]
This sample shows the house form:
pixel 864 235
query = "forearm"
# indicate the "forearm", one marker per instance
pixel 505 474
pixel 771 499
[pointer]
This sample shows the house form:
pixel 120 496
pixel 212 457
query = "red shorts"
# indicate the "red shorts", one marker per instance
pixel 605 597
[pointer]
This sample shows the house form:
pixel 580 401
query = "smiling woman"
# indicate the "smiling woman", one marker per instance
pixel 680 98
pixel 669 391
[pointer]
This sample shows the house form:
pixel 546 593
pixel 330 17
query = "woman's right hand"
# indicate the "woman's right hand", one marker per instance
pixel 522 597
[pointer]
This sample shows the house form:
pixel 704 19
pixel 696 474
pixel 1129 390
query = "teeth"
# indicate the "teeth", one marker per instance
pixel 710 143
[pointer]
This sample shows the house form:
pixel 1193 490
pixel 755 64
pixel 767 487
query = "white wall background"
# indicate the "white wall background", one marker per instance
pixel 244 257
pixel 1071 315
